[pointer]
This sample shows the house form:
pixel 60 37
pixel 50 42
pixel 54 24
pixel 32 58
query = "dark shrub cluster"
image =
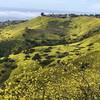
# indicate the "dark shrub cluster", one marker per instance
pixel 31 50
pixel 10 65
pixel 61 55
pixel 37 57
pixel 47 49
pixel 27 56
pixel 84 65
pixel 45 62
pixel 6 59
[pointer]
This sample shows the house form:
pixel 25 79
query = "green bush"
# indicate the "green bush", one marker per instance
pixel 61 55
pixel 37 57
pixel 45 62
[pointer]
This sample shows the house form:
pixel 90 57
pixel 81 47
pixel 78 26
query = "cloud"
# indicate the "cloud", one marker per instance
pixel 95 7
pixel 17 15
pixel 22 14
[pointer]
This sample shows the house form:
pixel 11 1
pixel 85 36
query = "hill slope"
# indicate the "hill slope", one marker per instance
pixel 51 59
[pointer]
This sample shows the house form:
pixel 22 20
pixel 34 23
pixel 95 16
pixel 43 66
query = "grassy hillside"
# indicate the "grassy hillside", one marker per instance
pixel 51 59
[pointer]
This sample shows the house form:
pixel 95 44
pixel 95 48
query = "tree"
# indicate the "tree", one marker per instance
pixel 42 14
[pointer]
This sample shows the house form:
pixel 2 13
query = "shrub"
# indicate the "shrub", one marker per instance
pixel 28 30
pixel 3 71
pixel 10 65
pixel 49 57
pixel 47 49
pixel 61 55
pixel 17 50
pixel 31 50
pixel 6 59
pixel 45 62
pixel 90 44
pixel 36 57
pixel 77 53
pixel 84 65
pixel 27 56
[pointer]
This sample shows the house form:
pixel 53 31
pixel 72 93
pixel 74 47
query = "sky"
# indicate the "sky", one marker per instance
pixel 53 5
pixel 27 9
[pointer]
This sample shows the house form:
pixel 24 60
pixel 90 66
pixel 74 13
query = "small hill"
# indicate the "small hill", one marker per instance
pixel 50 58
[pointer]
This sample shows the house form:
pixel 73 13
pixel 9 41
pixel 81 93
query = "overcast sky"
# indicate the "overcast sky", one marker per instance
pixel 65 5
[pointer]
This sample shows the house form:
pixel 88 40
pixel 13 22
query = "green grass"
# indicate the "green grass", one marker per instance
pixel 60 71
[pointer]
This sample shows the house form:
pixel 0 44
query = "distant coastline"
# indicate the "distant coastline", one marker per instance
pixel 25 14
pixel 17 15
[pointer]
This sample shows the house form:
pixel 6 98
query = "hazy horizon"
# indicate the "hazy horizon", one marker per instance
pixel 26 9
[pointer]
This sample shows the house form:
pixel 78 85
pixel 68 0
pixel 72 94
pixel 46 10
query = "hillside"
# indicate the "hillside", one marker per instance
pixel 50 58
